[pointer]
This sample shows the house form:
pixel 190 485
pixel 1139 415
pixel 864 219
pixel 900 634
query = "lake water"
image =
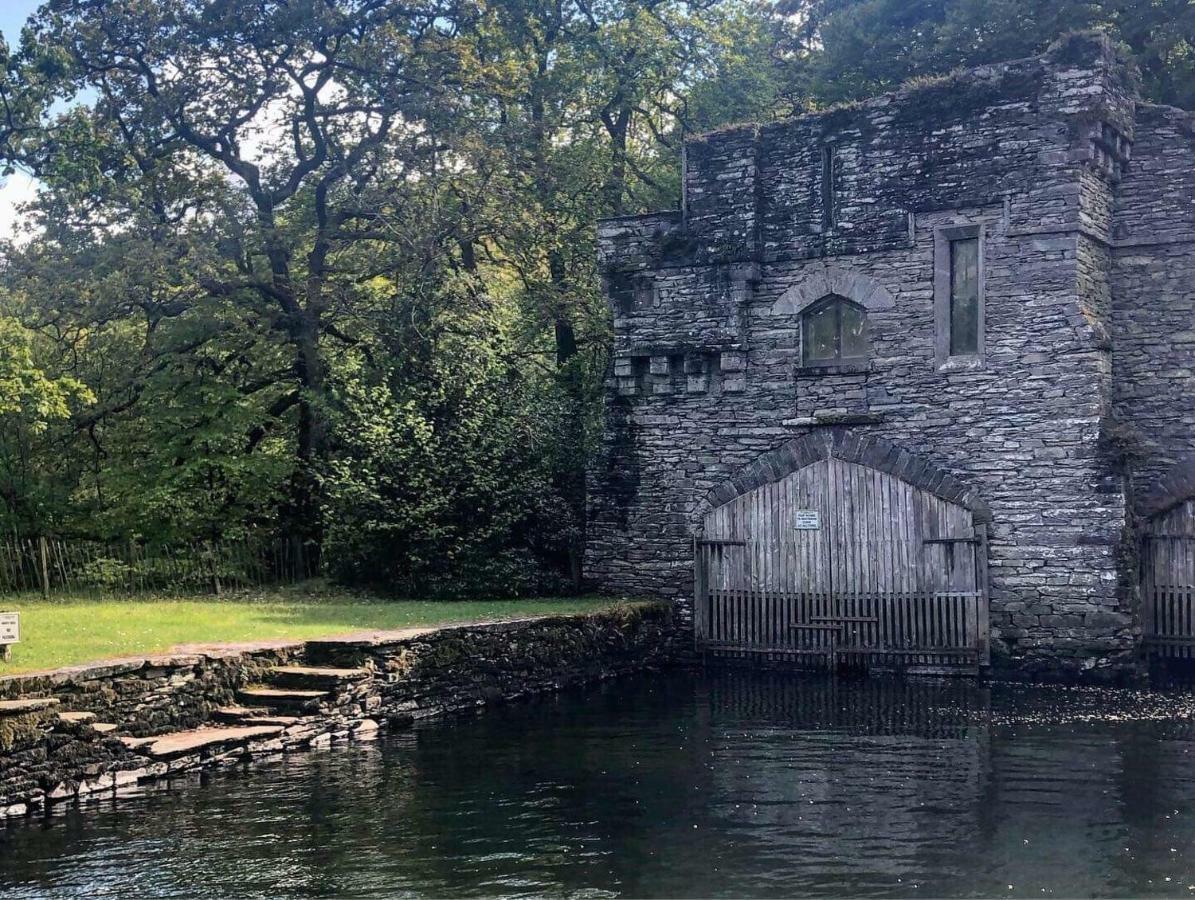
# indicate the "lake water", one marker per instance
pixel 680 785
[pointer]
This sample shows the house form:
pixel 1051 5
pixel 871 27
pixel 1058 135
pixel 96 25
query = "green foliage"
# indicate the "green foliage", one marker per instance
pixel 34 398
pixel 850 49
pixel 441 480
pixel 340 280
pixel 103 573
pixel 27 392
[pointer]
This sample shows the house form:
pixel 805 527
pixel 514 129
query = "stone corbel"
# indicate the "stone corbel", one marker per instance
pixel 743 279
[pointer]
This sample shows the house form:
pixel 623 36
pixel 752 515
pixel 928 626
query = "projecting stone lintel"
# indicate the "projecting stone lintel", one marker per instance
pixel 829 419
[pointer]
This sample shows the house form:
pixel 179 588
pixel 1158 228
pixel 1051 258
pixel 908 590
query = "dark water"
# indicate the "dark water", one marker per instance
pixel 676 786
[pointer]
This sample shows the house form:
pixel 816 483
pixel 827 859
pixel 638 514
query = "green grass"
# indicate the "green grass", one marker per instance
pixel 67 631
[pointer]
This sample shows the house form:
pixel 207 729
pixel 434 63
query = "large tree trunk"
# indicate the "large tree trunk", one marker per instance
pixel 617 119
pixel 302 513
pixel 306 513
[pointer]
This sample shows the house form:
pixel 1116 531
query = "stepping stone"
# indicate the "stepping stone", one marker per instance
pixel 253 715
pixel 270 720
pixel 316 676
pixel 282 698
pixel 235 713
pixel 180 743
pixel 76 717
pixel 136 743
pixel 103 727
pixel 26 705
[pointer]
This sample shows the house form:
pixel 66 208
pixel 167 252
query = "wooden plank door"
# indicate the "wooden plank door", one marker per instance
pixel 838 556
pixel 1168 582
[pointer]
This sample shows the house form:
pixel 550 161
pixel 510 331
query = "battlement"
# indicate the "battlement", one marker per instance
pixel 850 179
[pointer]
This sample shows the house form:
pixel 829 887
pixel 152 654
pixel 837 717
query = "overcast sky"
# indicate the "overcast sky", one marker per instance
pixel 16 188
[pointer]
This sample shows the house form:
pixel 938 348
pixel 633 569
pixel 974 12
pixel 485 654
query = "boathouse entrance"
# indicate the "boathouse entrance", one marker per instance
pixel 1168 582
pixel 841 564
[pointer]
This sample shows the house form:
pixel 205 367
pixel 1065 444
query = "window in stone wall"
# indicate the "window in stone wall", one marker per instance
pixel 829 187
pixel 834 332
pixel 958 294
pixel 964 297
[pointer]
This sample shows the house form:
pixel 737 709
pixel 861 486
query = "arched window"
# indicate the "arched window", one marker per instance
pixel 834 332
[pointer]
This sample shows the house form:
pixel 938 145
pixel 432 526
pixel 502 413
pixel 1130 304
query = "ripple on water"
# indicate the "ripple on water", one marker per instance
pixel 731 784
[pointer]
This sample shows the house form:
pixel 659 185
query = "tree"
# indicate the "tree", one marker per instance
pixel 248 150
pixel 32 398
pixel 851 49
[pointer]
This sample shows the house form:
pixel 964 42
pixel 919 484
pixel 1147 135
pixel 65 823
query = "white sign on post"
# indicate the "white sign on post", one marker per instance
pixel 807 520
pixel 10 628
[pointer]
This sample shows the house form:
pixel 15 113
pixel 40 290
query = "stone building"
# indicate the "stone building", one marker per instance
pixel 957 317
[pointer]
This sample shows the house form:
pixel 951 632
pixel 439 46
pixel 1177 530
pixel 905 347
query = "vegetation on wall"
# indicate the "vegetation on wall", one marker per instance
pixel 326 269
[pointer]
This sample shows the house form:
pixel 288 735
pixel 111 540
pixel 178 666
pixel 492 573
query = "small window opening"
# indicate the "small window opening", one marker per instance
pixel 834 332
pixel 829 197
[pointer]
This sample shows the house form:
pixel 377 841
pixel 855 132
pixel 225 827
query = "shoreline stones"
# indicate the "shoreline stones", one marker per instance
pixel 57 751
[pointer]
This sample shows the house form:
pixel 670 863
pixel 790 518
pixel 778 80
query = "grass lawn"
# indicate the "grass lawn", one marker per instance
pixel 66 631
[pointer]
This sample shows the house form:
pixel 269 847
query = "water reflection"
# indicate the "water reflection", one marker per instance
pixel 731 784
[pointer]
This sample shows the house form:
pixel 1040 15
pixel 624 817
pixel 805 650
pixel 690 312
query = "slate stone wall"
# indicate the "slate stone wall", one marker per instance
pixel 707 373
pixel 452 669
pixel 1154 306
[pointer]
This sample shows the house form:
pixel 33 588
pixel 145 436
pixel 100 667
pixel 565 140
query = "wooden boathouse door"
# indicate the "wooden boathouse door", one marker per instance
pixel 1168 583
pixel 839 564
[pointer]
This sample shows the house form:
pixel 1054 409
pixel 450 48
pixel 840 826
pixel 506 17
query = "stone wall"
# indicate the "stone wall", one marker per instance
pixel 452 669
pixel 1154 306
pixel 150 696
pixel 707 374
pixel 47 755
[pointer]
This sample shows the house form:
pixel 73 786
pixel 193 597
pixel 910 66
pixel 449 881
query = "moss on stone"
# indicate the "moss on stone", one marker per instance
pixel 20 731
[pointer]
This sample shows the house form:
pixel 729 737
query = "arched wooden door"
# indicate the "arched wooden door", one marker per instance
pixel 838 562
pixel 1168 582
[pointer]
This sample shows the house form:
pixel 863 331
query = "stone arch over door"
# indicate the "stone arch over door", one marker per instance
pixel 852 447
pixel 1176 486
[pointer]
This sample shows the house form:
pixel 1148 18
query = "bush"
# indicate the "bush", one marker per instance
pixel 442 481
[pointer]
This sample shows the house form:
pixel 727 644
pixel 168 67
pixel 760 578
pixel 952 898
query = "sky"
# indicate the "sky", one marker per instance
pixel 16 188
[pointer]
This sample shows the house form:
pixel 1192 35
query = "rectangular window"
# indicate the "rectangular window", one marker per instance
pixel 829 173
pixel 964 297
pixel 959 295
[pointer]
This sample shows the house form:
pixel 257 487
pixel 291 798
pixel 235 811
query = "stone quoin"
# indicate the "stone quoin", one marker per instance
pixel 983 284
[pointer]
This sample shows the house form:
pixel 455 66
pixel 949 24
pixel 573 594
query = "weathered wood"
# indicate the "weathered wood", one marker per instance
pixel 893 572
pixel 1168 583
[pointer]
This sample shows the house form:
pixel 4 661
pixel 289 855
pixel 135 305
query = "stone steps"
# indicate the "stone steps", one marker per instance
pixel 137 743
pixel 236 712
pixel 290 699
pixel 284 721
pixel 317 677
pixel 252 715
pixel 77 718
pixel 26 705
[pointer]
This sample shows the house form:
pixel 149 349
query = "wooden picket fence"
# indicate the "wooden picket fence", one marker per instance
pixel 55 567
